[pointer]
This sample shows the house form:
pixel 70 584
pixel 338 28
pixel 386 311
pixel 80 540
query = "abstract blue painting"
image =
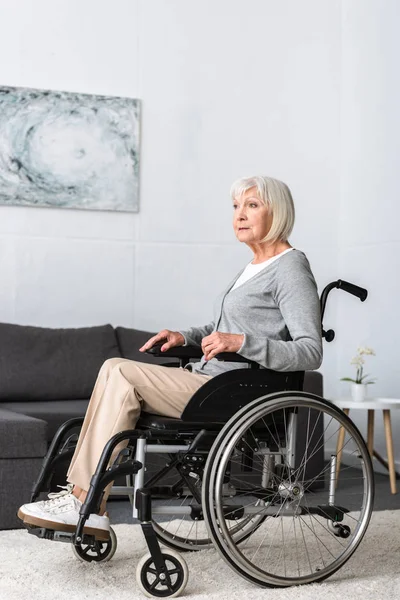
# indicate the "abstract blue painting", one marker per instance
pixel 61 149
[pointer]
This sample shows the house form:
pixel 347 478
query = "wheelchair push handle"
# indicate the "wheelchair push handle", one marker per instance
pixel 346 286
pixel 353 289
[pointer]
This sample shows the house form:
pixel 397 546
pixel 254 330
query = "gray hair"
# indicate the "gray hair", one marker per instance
pixel 277 196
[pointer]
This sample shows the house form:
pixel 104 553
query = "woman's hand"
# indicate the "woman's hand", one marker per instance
pixel 173 338
pixel 221 342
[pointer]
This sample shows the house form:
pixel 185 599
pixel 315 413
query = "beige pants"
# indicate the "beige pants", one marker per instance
pixel 122 389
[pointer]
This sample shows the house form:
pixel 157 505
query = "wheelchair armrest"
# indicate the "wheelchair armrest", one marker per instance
pixel 195 352
pixel 233 357
pixel 177 351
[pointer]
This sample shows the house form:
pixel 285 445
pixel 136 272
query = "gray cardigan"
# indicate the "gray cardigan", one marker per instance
pixel 277 310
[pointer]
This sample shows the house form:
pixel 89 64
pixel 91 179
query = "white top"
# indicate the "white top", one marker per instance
pixel 368 403
pixel 251 270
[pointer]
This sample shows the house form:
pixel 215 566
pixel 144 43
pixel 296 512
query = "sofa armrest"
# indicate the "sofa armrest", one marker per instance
pixel 21 436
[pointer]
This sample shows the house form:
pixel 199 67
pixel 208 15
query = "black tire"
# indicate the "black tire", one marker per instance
pixel 98 551
pixel 256 413
pixel 150 582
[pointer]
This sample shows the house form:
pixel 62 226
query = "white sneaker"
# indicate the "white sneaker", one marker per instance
pixel 61 513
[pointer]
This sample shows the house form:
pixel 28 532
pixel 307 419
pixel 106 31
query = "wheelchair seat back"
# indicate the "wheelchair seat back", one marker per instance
pixel 222 396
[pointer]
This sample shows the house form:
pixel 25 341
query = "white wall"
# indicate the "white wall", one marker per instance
pixel 68 267
pixel 228 88
pixel 369 242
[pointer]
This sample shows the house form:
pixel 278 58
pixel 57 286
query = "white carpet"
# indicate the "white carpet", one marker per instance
pixel 42 570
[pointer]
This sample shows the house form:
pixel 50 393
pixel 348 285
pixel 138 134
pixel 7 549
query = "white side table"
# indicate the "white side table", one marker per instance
pixel 372 404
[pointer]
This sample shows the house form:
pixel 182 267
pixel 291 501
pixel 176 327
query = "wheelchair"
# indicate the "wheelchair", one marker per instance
pixel 233 473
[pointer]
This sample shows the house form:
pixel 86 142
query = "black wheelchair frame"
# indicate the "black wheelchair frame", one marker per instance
pixel 194 443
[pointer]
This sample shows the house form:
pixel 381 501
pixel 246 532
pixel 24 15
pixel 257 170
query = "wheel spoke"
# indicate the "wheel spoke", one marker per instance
pixel 154 584
pixel 305 545
pixel 297 548
pixel 307 525
pixel 297 542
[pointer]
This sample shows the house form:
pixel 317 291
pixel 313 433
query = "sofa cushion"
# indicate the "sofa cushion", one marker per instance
pixel 54 413
pixel 130 340
pixel 21 436
pixel 38 363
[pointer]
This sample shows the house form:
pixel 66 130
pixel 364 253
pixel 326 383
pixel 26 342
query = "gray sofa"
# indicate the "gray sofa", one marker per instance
pixel 46 377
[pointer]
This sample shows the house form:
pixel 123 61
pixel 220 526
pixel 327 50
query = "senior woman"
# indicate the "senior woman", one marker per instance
pixel 269 313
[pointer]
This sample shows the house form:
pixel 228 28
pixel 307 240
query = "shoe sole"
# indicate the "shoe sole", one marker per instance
pixel 99 534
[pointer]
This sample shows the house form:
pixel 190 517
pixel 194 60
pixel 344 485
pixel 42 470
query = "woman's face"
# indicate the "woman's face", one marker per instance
pixel 251 218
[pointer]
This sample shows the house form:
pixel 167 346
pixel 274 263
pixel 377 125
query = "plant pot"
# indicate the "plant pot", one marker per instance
pixel 358 391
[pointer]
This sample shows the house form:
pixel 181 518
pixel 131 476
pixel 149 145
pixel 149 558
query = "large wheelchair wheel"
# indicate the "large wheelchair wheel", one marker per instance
pixel 306 534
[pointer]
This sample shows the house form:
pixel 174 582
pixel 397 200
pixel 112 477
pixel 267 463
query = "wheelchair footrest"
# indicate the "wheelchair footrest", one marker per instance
pixel 58 536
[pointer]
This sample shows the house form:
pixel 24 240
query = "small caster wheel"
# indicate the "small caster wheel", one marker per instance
pixel 153 585
pixel 342 531
pixel 345 531
pixel 98 551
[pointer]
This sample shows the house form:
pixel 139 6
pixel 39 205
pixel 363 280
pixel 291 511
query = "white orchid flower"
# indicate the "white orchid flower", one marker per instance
pixel 366 350
pixel 357 360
